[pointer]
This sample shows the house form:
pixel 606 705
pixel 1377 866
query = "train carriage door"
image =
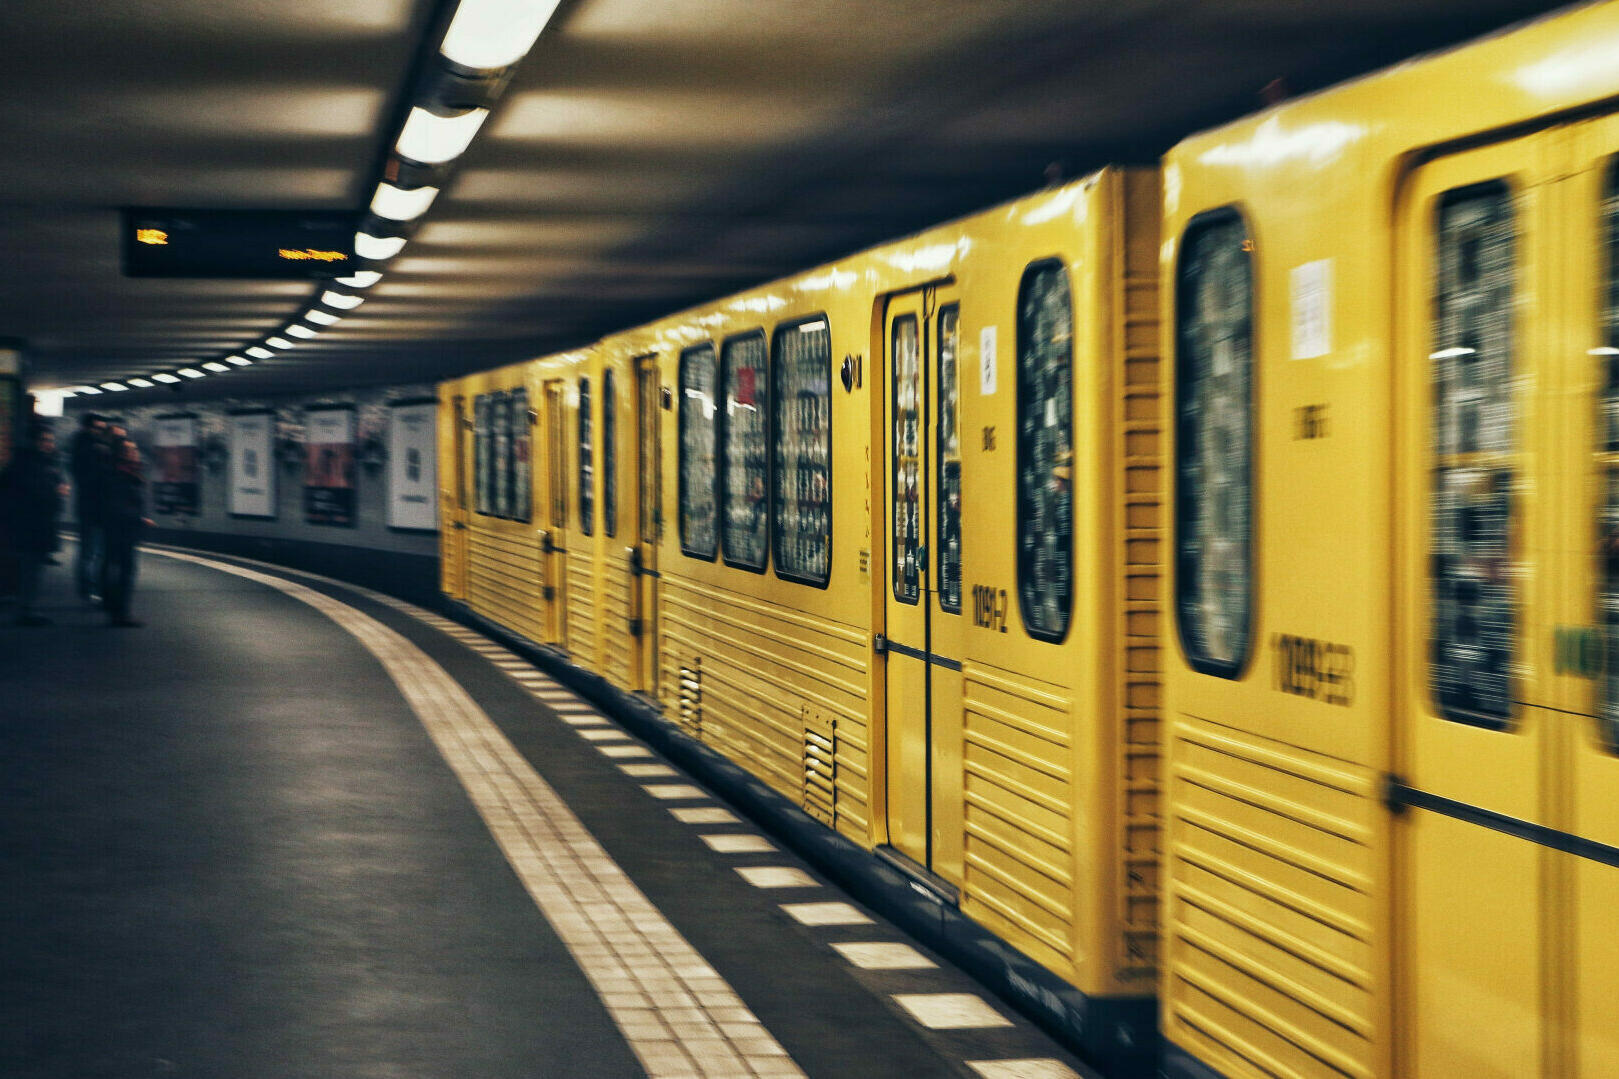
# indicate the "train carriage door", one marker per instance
pixel 453 502
pixel 554 536
pixel 1471 728
pixel 648 523
pixel 922 593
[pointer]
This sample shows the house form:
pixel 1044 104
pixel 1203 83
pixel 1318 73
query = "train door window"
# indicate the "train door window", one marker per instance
pixel 1214 304
pixel 1607 450
pixel 522 454
pixel 744 494
pixel 948 530
pixel 609 454
pixel 587 462
pixel 1475 598
pixel 906 407
pixel 699 519
pixel 480 453
pixel 803 451
pixel 1045 451
pixel 648 455
pixel 556 454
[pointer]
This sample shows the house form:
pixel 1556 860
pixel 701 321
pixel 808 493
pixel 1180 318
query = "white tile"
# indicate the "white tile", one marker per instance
pixel 884 956
pixel 738 844
pixel 825 914
pixel 951 1011
pixel 704 815
pixel 1031 1068
pixel 647 771
pixel 670 792
pixel 622 751
pixel 776 876
pixel 603 734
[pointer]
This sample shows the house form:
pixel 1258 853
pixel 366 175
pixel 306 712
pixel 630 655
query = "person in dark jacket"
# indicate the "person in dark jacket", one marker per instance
pixel 89 459
pixel 123 516
pixel 31 491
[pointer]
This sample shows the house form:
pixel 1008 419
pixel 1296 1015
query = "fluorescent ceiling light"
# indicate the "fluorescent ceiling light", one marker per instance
pixel 142 383
pixel 325 318
pixel 399 204
pixel 488 34
pixel 85 389
pixel 432 140
pixel 239 361
pixel 190 372
pixel 340 301
pixel 165 378
pixel 214 365
pixel 363 279
pixel 278 342
pixel 302 331
pixel 368 246
pixel 259 353
pixel 116 387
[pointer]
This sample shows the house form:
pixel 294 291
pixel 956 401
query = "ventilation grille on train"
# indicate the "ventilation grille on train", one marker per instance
pixel 820 767
pixel 690 697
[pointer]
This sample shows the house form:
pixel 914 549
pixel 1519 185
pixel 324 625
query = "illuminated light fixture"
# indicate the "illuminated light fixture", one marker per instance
pixel 302 331
pixel 368 246
pixel 116 387
pixel 190 372
pixel 278 342
pixel 488 34
pixel 363 279
pixel 239 361
pixel 165 378
pixel 429 139
pixel 341 301
pixel 400 204
pixel 325 318
pixel 85 389
pixel 141 383
pixel 214 365
pixel 259 353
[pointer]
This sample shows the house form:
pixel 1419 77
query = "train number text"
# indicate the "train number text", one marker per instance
pixel 1320 670
pixel 989 607
pixel 1310 421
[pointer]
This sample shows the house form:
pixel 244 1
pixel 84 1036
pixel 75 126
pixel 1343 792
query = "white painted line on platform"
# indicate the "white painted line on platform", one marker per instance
pixel 603 734
pixel 878 955
pixel 622 750
pixel 951 1011
pixel 647 771
pixel 675 791
pixel 1041 1068
pixel 776 876
pixel 825 914
pixel 704 815
pixel 738 844
pixel 584 721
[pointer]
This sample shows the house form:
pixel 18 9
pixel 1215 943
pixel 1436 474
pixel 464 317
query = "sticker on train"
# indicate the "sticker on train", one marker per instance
pixel 989 607
pixel 1320 670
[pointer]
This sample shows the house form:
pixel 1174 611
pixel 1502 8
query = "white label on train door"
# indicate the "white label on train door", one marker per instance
pixel 1311 288
pixel 986 361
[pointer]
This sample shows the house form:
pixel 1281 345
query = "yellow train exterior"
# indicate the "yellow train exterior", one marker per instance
pixel 792 520
pixel 1391 781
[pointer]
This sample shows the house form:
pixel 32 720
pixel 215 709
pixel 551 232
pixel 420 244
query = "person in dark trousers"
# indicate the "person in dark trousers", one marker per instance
pixel 31 492
pixel 89 460
pixel 122 519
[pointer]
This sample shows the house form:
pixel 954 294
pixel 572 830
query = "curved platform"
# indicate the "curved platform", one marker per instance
pixel 295 828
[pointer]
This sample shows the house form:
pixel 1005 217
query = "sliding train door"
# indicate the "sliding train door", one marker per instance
pixel 453 470
pixel 554 536
pixel 648 525
pixel 922 632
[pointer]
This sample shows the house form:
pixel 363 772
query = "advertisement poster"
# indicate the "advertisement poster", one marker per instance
pixel 413 465
pixel 329 466
pixel 174 489
pixel 252 464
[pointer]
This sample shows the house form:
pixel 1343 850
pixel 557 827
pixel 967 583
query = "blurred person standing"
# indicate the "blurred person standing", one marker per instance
pixel 89 460
pixel 31 493
pixel 123 517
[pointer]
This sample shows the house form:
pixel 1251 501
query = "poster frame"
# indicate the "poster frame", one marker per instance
pixel 413 402
pixel 269 459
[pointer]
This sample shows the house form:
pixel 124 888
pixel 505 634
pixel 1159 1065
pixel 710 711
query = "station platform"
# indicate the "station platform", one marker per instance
pixel 292 828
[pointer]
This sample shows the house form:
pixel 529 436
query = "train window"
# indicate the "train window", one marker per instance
pixel 609 455
pixel 744 501
pixel 803 463
pixel 587 463
pixel 1214 305
pixel 649 453
pixel 480 453
pixel 949 456
pixel 502 405
pixel 699 532
pixel 1607 450
pixel 905 350
pixel 522 483
pixel 1474 591
pixel 1045 451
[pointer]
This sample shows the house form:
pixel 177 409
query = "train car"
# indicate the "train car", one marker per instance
pixel 1392 792
pixel 914 589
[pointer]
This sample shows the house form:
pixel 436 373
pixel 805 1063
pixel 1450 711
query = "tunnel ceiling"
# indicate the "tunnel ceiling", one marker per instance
pixel 647 154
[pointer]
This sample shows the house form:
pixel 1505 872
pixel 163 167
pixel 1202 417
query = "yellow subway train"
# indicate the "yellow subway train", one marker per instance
pixel 1203 579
